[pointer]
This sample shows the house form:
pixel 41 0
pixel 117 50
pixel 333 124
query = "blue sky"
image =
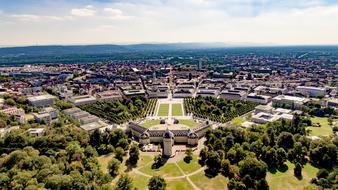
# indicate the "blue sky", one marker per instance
pixel 30 22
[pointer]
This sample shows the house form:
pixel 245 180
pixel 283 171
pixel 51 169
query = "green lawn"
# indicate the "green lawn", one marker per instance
pixel 150 123
pixel 141 183
pixel 177 110
pixel 237 121
pixel 324 130
pixel 204 183
pixel 286 180
pixel 144 160
pixel 169 169
pixel 163 110
pixel 188 122
pixel 179 184
pixel 190 167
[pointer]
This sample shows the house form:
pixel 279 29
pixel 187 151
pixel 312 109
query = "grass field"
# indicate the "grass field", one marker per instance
pixel 324 130
pixel 237 121
pixel 168 170
pixel 150 123
pixel 163 110
pixel 190 167
pixel 177 110
pixel 103 161
pixel 204 183
pixel 286 180
pixel 188 122
pixel 141 183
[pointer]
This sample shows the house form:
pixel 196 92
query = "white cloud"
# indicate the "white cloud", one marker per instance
pixel 116 14
pixel 26 17
pixel 83 12
pixel 130 21
pixel 36 18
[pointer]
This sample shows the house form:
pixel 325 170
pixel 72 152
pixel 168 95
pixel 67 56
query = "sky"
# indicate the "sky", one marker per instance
pixel 238 22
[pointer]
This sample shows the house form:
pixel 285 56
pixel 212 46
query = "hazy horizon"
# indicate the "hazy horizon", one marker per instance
pixel 91 22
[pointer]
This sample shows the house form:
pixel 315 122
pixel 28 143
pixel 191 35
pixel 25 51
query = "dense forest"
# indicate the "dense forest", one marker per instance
pixel 245 156
pixel 64 158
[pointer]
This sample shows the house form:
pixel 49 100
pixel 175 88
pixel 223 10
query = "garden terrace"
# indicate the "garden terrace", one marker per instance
pixel 218 110
pixel 120 112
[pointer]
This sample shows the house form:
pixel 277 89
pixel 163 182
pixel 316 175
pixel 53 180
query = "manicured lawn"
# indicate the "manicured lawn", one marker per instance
pixel 169 169
pixel 179 184
pixel 177 110
pixel 163 110
pixel 150 123
pixel 188 122
pixel 190 167
pixel 286 180
pixel 139 181
pixel 144 160
pixel 237 121
pixel 200 180
pixel 324 130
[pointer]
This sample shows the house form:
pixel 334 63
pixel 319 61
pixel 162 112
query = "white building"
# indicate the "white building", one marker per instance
pixel 109 95
pixel 42 117
pixel 261 99
pixel 311 91
pixel 289 101
pixel 37 131
pixel 81 100
pixel 232 94
pixel 41 100
pixel 333 103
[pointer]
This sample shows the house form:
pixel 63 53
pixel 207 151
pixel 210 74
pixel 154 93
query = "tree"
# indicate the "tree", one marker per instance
pixel 158 161
pixel 113 167
pixel 157 183
pixel 262 185
pixel 254 168
pixel 225 167
pixel 286 140
pixel 298 170
pixel 119 153
pixel 298 153
pixel 10 102
pixel 203 155
pixel 188 156
pixel 213 163
pixel 133 154
pixel 124 183
pixel 236 185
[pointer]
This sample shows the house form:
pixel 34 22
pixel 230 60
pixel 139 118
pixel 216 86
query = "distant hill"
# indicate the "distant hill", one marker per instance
pixel 100 49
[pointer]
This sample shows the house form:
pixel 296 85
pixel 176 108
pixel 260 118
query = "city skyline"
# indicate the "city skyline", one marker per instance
pixel 263 22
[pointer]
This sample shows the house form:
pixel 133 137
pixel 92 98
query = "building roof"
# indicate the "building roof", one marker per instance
pixel 290 98
pixel 40 98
